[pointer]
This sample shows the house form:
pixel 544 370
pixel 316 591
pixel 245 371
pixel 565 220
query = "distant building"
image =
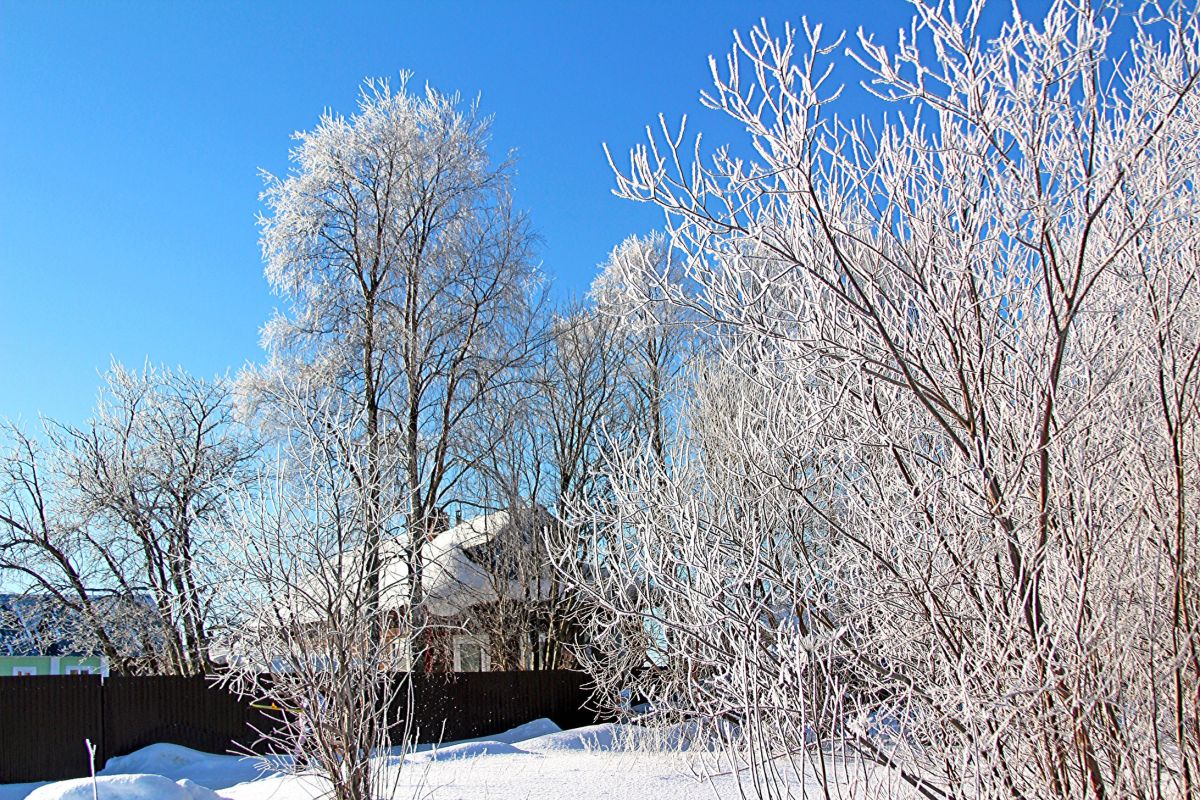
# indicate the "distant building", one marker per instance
pixel 38 636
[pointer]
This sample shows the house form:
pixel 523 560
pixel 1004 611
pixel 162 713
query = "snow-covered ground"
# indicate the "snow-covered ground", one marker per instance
pixel 536 761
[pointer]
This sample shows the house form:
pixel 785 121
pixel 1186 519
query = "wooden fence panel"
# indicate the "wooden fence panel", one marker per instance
pixel 181 710
pixel 45 720
pixel 466 705
pixel 44 724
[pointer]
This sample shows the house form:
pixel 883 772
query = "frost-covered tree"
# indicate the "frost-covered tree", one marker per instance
pixel 935 510
pixel 407 279
pixel 588 380
pixel 581 378
pixel 554 422
pixel 310 643
pixel 653 334
pixel 113 519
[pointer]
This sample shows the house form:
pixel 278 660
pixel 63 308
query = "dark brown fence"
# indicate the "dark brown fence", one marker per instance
pixel 464 705
pixel 45 721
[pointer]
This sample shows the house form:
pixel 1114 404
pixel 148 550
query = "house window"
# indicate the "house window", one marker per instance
pixel 471 654
pixel 24 671
pixel 81 670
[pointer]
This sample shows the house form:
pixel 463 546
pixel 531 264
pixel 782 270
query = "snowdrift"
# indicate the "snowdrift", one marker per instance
pixel 177 762
pixel 173 772
pixel 124 787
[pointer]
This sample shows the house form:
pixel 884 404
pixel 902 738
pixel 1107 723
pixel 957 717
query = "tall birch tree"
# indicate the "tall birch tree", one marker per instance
pixel 406 277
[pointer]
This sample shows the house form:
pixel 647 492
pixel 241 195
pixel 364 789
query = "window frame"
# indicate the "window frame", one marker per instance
pixel 482 642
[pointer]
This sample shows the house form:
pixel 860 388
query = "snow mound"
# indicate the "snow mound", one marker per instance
pixel 530 730
pixel 497 745
pixel 124 787
pixel 178 762
pixel 590 738
pixel 468 750
pixel 612 736
pixel 19 791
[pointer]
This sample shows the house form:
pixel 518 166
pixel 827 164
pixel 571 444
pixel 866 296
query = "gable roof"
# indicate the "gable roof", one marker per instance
pixel 486 559
pixel 478 561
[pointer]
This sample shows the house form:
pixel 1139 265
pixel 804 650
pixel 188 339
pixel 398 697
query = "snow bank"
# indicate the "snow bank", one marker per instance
pixel 124 787
pixel 530 730
pixel 176 762
pixel 615 737
pixel 537 760
pixel 566 775
pixel 593 737
pixel 293 787
pixel 18 791
pixel 467 750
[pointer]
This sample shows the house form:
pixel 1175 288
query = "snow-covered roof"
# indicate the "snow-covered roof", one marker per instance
pixel 482 560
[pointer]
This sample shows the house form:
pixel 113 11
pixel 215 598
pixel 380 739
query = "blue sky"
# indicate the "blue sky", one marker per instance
pixel 131 135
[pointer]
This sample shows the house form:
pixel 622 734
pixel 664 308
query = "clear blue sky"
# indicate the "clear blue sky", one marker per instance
pixel 131 135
